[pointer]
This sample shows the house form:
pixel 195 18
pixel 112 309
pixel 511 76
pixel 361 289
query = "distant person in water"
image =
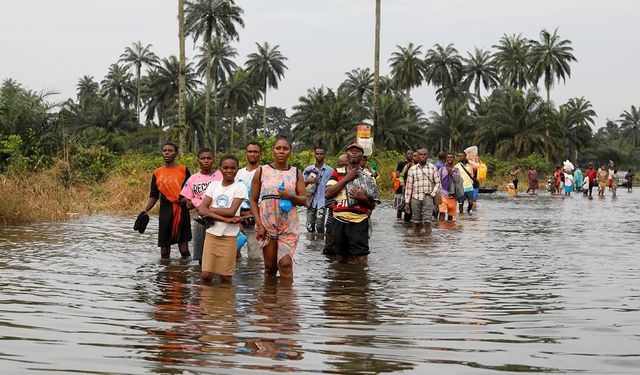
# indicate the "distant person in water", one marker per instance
pixel 568 183
pixel 614 183
pixel 423 184
pixel 315 179
pixel 222 203
pixel 515 175
pixel 629 178
pixel 174 222
pixel 442 156
pixel 194 190
pixel 466 173
pixel 341 170
pixel 558 176
pixel 253 154
pixel 532 180
pixel 577 179
pixel 398 202
pixel 447 175
pixel 592 177
pixel 602 177
pixel 276 190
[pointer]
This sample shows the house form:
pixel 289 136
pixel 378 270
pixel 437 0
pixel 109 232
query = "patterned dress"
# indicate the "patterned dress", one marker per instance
pixel 283 227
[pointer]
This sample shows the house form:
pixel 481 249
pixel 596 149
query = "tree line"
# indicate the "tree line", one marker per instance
pixel 488 97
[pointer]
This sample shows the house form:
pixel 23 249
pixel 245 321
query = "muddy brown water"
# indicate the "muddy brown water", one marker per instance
pixel 527 284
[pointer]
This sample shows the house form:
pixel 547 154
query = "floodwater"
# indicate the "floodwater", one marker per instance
pixel 525 284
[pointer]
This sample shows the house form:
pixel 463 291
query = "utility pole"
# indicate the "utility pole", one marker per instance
pixel 376 71
pixel 182 128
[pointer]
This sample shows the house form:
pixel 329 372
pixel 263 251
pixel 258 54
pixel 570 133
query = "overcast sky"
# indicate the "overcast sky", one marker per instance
pixel 51 44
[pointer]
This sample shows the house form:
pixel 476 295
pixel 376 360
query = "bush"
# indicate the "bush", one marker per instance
pixel 91 164
pixel 12 160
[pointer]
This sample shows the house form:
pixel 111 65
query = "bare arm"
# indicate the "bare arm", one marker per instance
pixel 253 199
pixel 150 203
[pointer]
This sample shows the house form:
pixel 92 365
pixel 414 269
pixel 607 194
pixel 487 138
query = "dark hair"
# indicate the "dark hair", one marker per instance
pixel 203 150
pixel 319 147
pixel 282 137
pixel 253 143
pixel 442 155
pixel 449 153
pixel 175 146
pixel 229 157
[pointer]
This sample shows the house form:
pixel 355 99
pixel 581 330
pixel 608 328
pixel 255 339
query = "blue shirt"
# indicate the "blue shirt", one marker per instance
pixel 323 174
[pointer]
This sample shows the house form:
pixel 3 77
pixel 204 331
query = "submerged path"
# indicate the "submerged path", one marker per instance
pixel 531 284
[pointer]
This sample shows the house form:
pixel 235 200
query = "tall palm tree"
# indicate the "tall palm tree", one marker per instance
pixel 443 67
pixel 480 69
pixel 630 123
pixel 266 68
pixel 181 80
pixel 135 57
pixel 513 58
pixel 117 85
pixel 359 84
pixel 407 68
pixel 238 95
pixel 162 87
pixel 212 20
pixel 222 64
pixel 551 57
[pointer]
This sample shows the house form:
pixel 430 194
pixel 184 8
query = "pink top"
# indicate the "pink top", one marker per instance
pixel 196 185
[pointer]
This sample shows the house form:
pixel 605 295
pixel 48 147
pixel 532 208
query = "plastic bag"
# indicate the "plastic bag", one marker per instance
pixel 285 204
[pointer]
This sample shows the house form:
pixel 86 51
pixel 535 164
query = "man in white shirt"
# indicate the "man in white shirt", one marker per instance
pixel 245 176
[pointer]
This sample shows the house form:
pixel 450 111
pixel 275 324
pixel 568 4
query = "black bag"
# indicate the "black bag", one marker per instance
pixel 141 222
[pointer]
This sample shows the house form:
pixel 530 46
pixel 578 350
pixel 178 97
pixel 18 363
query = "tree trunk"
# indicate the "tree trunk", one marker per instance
pixel 376 70
pixel 181 78
pixel 138 93
pixel 207 95
pixel 244 130
pixel 160 115
pixel 233 117
pixel 264 107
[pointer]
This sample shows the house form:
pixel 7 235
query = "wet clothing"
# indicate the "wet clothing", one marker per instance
pixel 174 225
pixel 578 177
pixel 347 209
pixel 422 180
pixel 351 239
pixel 532 177
pixel 283 227
pixel 194 190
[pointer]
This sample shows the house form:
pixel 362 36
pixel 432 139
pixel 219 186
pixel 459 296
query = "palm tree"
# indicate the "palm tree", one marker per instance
pixel 117 85
pixel 266 67
pixel 162 87
pixel 443 67
pixel 513 58
pixel 135 57
pixel 453 124
pixel 212 20
pixel 181 83
pixel 238 95
pixel 407 68
pixel 551 57
pixel 376 67
pixel 359 84
pixel 222 64
pixel 480 69
pixel 630 123
pixel 576 118
pixel 86 88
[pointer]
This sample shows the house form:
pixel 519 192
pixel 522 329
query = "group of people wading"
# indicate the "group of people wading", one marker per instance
pixel 258 204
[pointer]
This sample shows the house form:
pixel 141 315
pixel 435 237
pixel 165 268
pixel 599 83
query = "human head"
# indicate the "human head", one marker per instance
pixel 462 157
pixel 169 152
pixel 253 152
pixel 355 152
pixel 281 149
pixel 343 160
pixel 423 154
pixel 603 166
pixel 364 160
pixel 409 155
pixel 449 158
pixel 442 156
pixel 319 154
pixel 229 167
pixel 414 157
pixel 205 159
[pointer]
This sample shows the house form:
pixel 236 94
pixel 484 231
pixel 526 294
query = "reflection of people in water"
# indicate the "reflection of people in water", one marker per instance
pixel 172 306
pixel 349 299
pixel 218 323
pixel 278 311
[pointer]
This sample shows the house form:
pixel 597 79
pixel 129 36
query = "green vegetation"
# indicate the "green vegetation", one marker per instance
pixel 490 98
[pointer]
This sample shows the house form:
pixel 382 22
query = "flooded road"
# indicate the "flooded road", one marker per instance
pixel 526 284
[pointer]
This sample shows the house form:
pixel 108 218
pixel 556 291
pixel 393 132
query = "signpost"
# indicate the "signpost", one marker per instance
pixel 364 137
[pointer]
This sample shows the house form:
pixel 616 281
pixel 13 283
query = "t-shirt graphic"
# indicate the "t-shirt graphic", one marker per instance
pixel 222 197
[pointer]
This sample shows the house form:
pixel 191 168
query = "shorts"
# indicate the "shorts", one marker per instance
pixel 448 205
pixel 219 254
pixel 422 210
pixel 469 196
pixel 568 188
pixel 351 239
